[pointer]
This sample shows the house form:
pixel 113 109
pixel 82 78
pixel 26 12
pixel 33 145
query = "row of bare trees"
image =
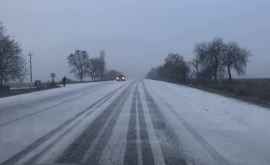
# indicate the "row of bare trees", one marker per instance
pixel 213 60
pixel 12 63
pixel 83 66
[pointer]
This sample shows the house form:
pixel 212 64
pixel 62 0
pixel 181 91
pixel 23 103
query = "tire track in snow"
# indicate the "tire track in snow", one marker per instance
pixel 131 152
pixel 51 145
pixel 210 149
pixel 146 150
pixel 170 145
pixel 114 152
pixel 47 108
pixel 95 151
pixel 35 158
pixel 50 98
pixel 20 155
pixel 75 153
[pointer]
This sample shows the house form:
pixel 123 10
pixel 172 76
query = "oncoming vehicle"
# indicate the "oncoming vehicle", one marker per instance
pixel 120 78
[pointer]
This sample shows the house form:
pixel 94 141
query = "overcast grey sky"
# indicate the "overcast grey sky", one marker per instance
pixel 136 34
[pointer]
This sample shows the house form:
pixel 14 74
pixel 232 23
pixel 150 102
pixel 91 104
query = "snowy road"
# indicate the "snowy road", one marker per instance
pixel 135 122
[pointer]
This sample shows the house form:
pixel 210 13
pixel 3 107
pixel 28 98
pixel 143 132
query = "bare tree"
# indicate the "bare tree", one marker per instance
pixel 79 63
pixel 210 55
pixel 195 67
pixel 98 67
pixel 12 64
pixel 235 58
pixel 202 65
pixel 102 63
pixel 95 68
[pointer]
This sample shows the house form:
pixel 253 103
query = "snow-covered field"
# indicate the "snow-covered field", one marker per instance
pixel 142 122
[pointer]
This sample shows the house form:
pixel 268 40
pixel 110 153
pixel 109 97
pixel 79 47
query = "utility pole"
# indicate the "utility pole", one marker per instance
pixel 31 74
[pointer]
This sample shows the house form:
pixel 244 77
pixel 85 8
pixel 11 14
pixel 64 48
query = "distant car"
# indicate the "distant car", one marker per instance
pixel 120 78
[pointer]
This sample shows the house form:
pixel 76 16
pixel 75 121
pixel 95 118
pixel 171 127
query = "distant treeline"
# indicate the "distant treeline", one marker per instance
pixel 13 65
pixel 83 66
pixel 214 60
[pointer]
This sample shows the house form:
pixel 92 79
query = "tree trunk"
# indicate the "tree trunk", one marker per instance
pixel 229 72
pixel 216 68
pixel 81 76
pixel 215 75
pixel 1 82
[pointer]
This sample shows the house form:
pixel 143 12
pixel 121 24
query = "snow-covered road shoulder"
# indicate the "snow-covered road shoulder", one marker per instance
pixel 238 132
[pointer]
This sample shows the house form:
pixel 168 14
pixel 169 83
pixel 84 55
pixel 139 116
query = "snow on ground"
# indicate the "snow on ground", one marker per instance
pixel 13 108
pixel 111 155
pixel 71 134
pixel 211 129
pixel 155 143
pixel 25 129
pixel 32 97
pixel 232 130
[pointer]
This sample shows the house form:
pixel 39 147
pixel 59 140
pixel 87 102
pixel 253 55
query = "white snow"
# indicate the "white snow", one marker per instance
pixel 17 135
pixel 212 129
pixel 25 98
pixel 114 151
pixel 155 143
pixel 239 132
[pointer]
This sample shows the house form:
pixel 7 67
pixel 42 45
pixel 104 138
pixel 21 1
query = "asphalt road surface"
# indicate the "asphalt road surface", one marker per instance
pixel 131 123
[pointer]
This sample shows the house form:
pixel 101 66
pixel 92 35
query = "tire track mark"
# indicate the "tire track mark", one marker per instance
pixel 76 151
pixel 97 149
pixel 44 150
pixel 37 156
pixel 50 98
pixel 211 150
pixel 131 153
pixel 41 140
pixel 146 150
pixel 45 109
pixel 170 145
